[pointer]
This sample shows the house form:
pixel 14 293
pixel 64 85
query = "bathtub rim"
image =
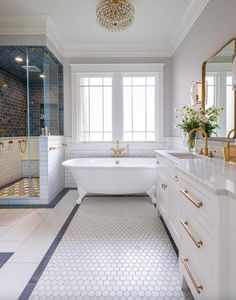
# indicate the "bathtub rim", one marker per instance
pixel 141 166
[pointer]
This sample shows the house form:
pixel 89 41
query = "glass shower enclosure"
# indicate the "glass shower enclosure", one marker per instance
pixel 31 106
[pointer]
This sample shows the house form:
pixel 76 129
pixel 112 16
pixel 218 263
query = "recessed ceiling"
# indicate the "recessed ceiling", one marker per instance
pixel 158 25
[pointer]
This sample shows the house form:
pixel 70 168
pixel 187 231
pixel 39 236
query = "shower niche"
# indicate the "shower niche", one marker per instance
pixel 31 106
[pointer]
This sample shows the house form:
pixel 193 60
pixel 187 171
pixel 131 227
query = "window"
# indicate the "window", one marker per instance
pixel 117 101
pixel 211 90
pixel 230 103
pixel 95 109
pixel 139 108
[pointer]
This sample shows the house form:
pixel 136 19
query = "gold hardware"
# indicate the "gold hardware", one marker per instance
pixel 117 162
pixel 158 163
pixel 227 147
pixel 210 154
pixel 201 151
pixel 23 149
pixel 198 204
pixel 2 144
pixel 204 73
pixel 64 145
pixel 10 142
pixel 197 286
pixel 203 131
pixel 176 178
pixel 117 151
pixel 197 242
pixel 52 148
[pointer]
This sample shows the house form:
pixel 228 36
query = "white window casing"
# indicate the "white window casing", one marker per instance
pixel 117 71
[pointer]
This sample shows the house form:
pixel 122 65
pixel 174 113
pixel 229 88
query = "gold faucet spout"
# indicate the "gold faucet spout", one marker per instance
pixel 203 131
pixel 117 151
pixel 227 147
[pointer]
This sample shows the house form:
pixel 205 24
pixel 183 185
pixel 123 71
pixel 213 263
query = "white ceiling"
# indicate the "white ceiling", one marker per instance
pixel 159 25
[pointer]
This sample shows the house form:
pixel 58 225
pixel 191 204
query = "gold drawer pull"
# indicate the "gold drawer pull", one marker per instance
pixel 198 204
pixel 197 286
pixel 176 178
pixel 197 242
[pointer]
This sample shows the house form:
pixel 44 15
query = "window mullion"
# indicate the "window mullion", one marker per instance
pixel 89 109
pixel 103 109
pixel 145 108
pixel 117 107
pixel 132 109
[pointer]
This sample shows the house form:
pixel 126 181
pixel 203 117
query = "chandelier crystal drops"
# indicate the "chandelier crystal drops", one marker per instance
pixel 115 15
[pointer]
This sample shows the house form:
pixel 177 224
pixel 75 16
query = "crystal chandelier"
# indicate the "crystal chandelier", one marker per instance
pixel 115 15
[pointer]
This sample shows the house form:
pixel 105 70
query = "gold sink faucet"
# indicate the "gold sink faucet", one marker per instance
pixel 227 147
pixel 204 151
pixel 118 151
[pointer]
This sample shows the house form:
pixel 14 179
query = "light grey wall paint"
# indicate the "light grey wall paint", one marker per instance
pixel 67 85
pixel 215 26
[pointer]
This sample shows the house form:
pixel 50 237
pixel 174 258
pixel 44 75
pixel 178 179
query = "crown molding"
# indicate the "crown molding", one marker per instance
pixel 117 50
pixel 190 17
pixel 42 24
pixel 23 24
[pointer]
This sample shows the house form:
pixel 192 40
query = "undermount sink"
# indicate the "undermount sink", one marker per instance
pixel 185 155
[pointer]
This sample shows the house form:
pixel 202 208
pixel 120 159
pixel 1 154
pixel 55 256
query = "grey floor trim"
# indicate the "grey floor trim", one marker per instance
pixel 26 293
pixel 41 267
pixel 4 256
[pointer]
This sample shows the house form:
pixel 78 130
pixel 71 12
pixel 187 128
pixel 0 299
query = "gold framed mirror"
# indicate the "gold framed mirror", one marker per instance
pixel 218 88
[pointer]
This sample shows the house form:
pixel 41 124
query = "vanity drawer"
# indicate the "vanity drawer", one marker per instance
pixel 196 239
pixel 194 272
pixel 168 170
pixel 198 204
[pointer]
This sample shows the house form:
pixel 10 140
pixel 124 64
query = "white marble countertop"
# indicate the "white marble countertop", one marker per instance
pixel 216 175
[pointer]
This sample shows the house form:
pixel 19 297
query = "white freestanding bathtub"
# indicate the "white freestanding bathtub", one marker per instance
pixel 113 176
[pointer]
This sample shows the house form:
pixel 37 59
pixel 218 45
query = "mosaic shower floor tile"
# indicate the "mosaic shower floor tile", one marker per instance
pixel 114 248
pixel 22 188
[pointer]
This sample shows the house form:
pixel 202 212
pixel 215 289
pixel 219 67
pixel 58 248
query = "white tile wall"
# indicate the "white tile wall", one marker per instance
pixel 217 147
pixel 52 174
pixel 74 150
pixel 11 159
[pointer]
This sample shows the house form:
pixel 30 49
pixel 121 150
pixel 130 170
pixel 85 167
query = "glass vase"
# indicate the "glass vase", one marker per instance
pixel 191 140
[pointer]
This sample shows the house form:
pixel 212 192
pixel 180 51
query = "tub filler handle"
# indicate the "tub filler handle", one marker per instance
pixel 152 194
pixel 82 193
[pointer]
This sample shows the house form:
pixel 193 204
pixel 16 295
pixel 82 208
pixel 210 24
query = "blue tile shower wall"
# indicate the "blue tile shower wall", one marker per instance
pixel 52 106
pixel 13 101
pixel 36 94
pixel 61 100
pixel 13 105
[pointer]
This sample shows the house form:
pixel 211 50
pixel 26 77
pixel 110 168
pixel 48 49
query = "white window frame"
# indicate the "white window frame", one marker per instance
pixel 117 71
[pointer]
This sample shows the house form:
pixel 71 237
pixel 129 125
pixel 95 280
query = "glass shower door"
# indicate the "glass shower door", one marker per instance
pixel 35 99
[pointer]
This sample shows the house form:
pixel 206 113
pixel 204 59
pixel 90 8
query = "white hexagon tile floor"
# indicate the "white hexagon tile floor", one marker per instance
pixel 114 248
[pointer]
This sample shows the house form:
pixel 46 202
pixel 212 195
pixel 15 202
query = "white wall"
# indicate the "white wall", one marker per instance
pixel 67 85
pixel 52 173
pixel 215 26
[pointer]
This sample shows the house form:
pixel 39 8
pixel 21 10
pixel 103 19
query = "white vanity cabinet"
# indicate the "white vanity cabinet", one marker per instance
pixel 168 197
pixel 203 226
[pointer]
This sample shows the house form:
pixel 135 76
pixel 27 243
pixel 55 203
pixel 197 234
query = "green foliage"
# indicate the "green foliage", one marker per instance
pixel 194 117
